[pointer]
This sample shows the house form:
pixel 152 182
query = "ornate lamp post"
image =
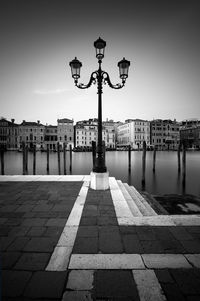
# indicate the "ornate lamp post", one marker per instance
pixel 100 77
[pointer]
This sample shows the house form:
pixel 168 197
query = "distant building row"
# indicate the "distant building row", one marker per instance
pixel 164 134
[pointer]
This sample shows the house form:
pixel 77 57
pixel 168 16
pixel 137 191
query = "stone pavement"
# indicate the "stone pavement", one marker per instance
pixel 60 240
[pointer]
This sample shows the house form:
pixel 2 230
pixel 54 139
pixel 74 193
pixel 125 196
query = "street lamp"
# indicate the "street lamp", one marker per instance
pixel 100 77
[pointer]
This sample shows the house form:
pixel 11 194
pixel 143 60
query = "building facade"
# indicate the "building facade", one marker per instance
pixel 65 132
pixel 9 132
pixel 86 131
pixel 50 137
pixel 32 133
pixel 165 134
pixel 190 133
pixel 133 133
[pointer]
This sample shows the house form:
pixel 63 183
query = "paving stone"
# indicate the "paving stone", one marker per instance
pixel 145 233
pixel 34 222
pixel 32 261
pixel 153 246
pixel 191 246
pixel 53 231
pixel 42 244
pixel 172 246
pixel 163 261
pixel 5 242
pixel 19 231
pixel 42 207
pixel 187 281
pixel 14 282
pixel 24 208
pixel 4 230
pixel 8 259
pixel 18 244
pixel 164 276
pixel 77 296
pixel 115 284
pixel 107 221
pixel 56 222
pixel 80 280
pixel 132 244
pixel 110 240
pixel 46 285
pixel 88 221
pixel 61 208
pixel 148 286
pixel 128 229
pixel 36 231
pixel 194 259
pixel 13 221
pixel 87 231
pixel 172 292
pixel 86 245
pixel 106 261
pixel 180 233
pixel 163 233
pixel 8 208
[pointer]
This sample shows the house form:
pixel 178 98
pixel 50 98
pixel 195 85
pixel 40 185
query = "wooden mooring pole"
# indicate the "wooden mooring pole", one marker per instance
pixel 58 153
pixel 64 158
pixel 129 157
pixel 2 162
pixel 179 157
pixel 143 163
pixel 26 159
pixel 70 158
pixel 184 165
pixel 154 158
pixel 34 159
pixel 94 150
pixel 23 158
pixel 47 159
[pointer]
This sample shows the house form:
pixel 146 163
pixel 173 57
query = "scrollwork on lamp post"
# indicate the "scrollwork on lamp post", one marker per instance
pixel 99 77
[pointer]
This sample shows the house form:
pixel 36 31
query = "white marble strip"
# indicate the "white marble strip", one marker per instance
pixel 161 220
pixel 67 178
pixel 194 259
pixel 62 252
pixel 165 261
pixel 121 207
pixel 105 261
pixel 133 261
pixel 149 288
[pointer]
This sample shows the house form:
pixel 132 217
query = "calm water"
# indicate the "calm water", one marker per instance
pixel 165 180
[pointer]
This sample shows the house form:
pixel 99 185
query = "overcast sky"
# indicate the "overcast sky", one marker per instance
pixel 39 38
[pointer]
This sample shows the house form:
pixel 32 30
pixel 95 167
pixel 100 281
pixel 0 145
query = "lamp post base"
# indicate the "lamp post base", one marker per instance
pixel 99 180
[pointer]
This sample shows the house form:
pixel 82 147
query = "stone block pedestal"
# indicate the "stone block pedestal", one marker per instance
pixel 99 181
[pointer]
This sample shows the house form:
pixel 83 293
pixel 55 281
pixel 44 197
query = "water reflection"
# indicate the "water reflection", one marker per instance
pixel 166 178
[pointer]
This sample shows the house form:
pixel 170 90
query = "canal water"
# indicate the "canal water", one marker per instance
pixel 165 180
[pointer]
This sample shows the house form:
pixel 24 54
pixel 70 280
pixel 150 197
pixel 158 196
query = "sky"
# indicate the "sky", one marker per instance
pixel 39 38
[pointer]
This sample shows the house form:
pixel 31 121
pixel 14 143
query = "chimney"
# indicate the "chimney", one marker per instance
pixel 38 121
pixel 13 120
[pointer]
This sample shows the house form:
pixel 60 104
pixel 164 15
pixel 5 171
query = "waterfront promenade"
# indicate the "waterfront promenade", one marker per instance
pixel 60 240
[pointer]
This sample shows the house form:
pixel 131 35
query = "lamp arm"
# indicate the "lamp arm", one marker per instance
pixel 106 79
pixel 92 80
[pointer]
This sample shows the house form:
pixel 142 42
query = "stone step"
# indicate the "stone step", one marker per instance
pixel 150 210
pixel 140 205
pixel 130 201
